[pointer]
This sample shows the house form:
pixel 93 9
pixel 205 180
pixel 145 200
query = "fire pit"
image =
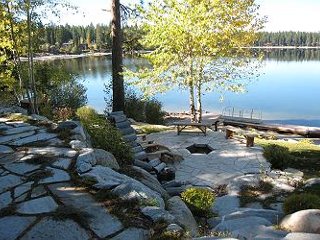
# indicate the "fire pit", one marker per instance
pixel 200 148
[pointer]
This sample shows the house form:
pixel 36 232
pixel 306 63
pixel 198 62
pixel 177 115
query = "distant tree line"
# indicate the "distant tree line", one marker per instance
pixel 310 39
pixel 76 39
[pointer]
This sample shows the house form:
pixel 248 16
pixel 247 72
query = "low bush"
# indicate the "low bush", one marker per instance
pixel 297 202
pixel 103 135
pixel 277 155
pixel 199 200
pixel 153 112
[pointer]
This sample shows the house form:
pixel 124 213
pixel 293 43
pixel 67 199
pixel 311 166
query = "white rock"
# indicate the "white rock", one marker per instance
pixel 302 236
pixel 86 160
pixel 58 176
pixel 225 205
pixel 77 144
pixel 5 149
pixel 49 229
pixel 307 221
pixel 5 200
pixel 258 232
pixel 52 151
pixel 37 206
pixel 12 226
pixel 312 181
pixel 235 184
pixel 183 215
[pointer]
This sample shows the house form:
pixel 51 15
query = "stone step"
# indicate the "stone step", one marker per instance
pixel 129 138
pixel 5 139
pixel 116 113
pixel 141 155
pixel 137 149
pixel 119 118
pixel 126 131
pixel 19 130
pixel 143 165
pixel 160 167
pixel 154 162
pixel 124 124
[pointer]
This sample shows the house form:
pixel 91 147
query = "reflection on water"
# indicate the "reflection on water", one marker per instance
pixel 288 88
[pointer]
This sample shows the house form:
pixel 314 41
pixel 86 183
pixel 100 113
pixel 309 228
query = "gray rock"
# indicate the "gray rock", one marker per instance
pixel 235 184
pixel 133 234
pixel 175 191
pixel 37 206
pixel 183 215
pixel 258 232
pixel 39 118
pixel 11 227
pixel 8 158
pixel 17 124
pixel 150 181
pixel 9 138
pixel 142 164
pixel 9 181
pixel 158 214
pixel 307 221
pixel 5 200
pixel 77 144
pixel 174 229
pixel 271 215
pixel 215 238
pixel 86 160
pixel 136 190
pixel 52 151
pixel 106 159
pixel 312 181
pixel 18 191
pixel 225 205
pixel 106 177
pixel 240 223
pixel 32 139
pixel 58 176
pixel 254 205
pixel 63 163
pixel 67 125
pixel 302 236
pixel 21 167
pixel 213 222
pixel 13 109
pixel 101 222
pixel 49 229
pixel 5 149
pixel 20 130
pixel 38 191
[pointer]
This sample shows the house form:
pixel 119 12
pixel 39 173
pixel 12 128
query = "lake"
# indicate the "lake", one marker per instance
pixel 288 91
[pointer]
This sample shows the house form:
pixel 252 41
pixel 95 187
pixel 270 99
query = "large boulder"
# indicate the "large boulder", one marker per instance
pixel 183 215
pixel 150 181
pixel 91 157
pixel 302 236
pixel 307 221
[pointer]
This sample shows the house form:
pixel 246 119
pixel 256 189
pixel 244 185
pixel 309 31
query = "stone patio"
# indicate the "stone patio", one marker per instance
pixel 230 158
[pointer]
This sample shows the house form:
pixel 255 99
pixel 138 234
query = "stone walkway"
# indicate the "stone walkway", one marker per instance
pixel 229 159
pixel 38 199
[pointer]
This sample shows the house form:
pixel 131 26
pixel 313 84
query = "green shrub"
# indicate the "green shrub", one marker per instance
pixel 277 155
pixel 297 202
pixel 153 112
pixel 199 200
pixel 103 135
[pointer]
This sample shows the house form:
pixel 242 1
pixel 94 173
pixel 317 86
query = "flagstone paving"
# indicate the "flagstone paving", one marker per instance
pixel 229 159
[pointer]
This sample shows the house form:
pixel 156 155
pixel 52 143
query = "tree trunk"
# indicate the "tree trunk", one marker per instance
pixel 34 103
pixel 191 102
pixel 199 101
pixel 117 78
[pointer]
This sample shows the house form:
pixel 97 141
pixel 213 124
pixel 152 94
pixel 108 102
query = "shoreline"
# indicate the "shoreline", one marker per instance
pixel 65 56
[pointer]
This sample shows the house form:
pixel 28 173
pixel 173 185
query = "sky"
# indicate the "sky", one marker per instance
pixel 283 15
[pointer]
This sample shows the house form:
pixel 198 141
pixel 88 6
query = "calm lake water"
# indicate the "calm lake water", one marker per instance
pixel 288 90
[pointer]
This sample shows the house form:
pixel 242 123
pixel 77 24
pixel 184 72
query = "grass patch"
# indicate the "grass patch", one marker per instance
pixel 296 202
pixel 249 194
pixel 15 117
pixel 68 212
pixel 303 155
pixel 148 128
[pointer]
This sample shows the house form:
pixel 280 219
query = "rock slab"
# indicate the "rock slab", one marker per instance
pixel 12 226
